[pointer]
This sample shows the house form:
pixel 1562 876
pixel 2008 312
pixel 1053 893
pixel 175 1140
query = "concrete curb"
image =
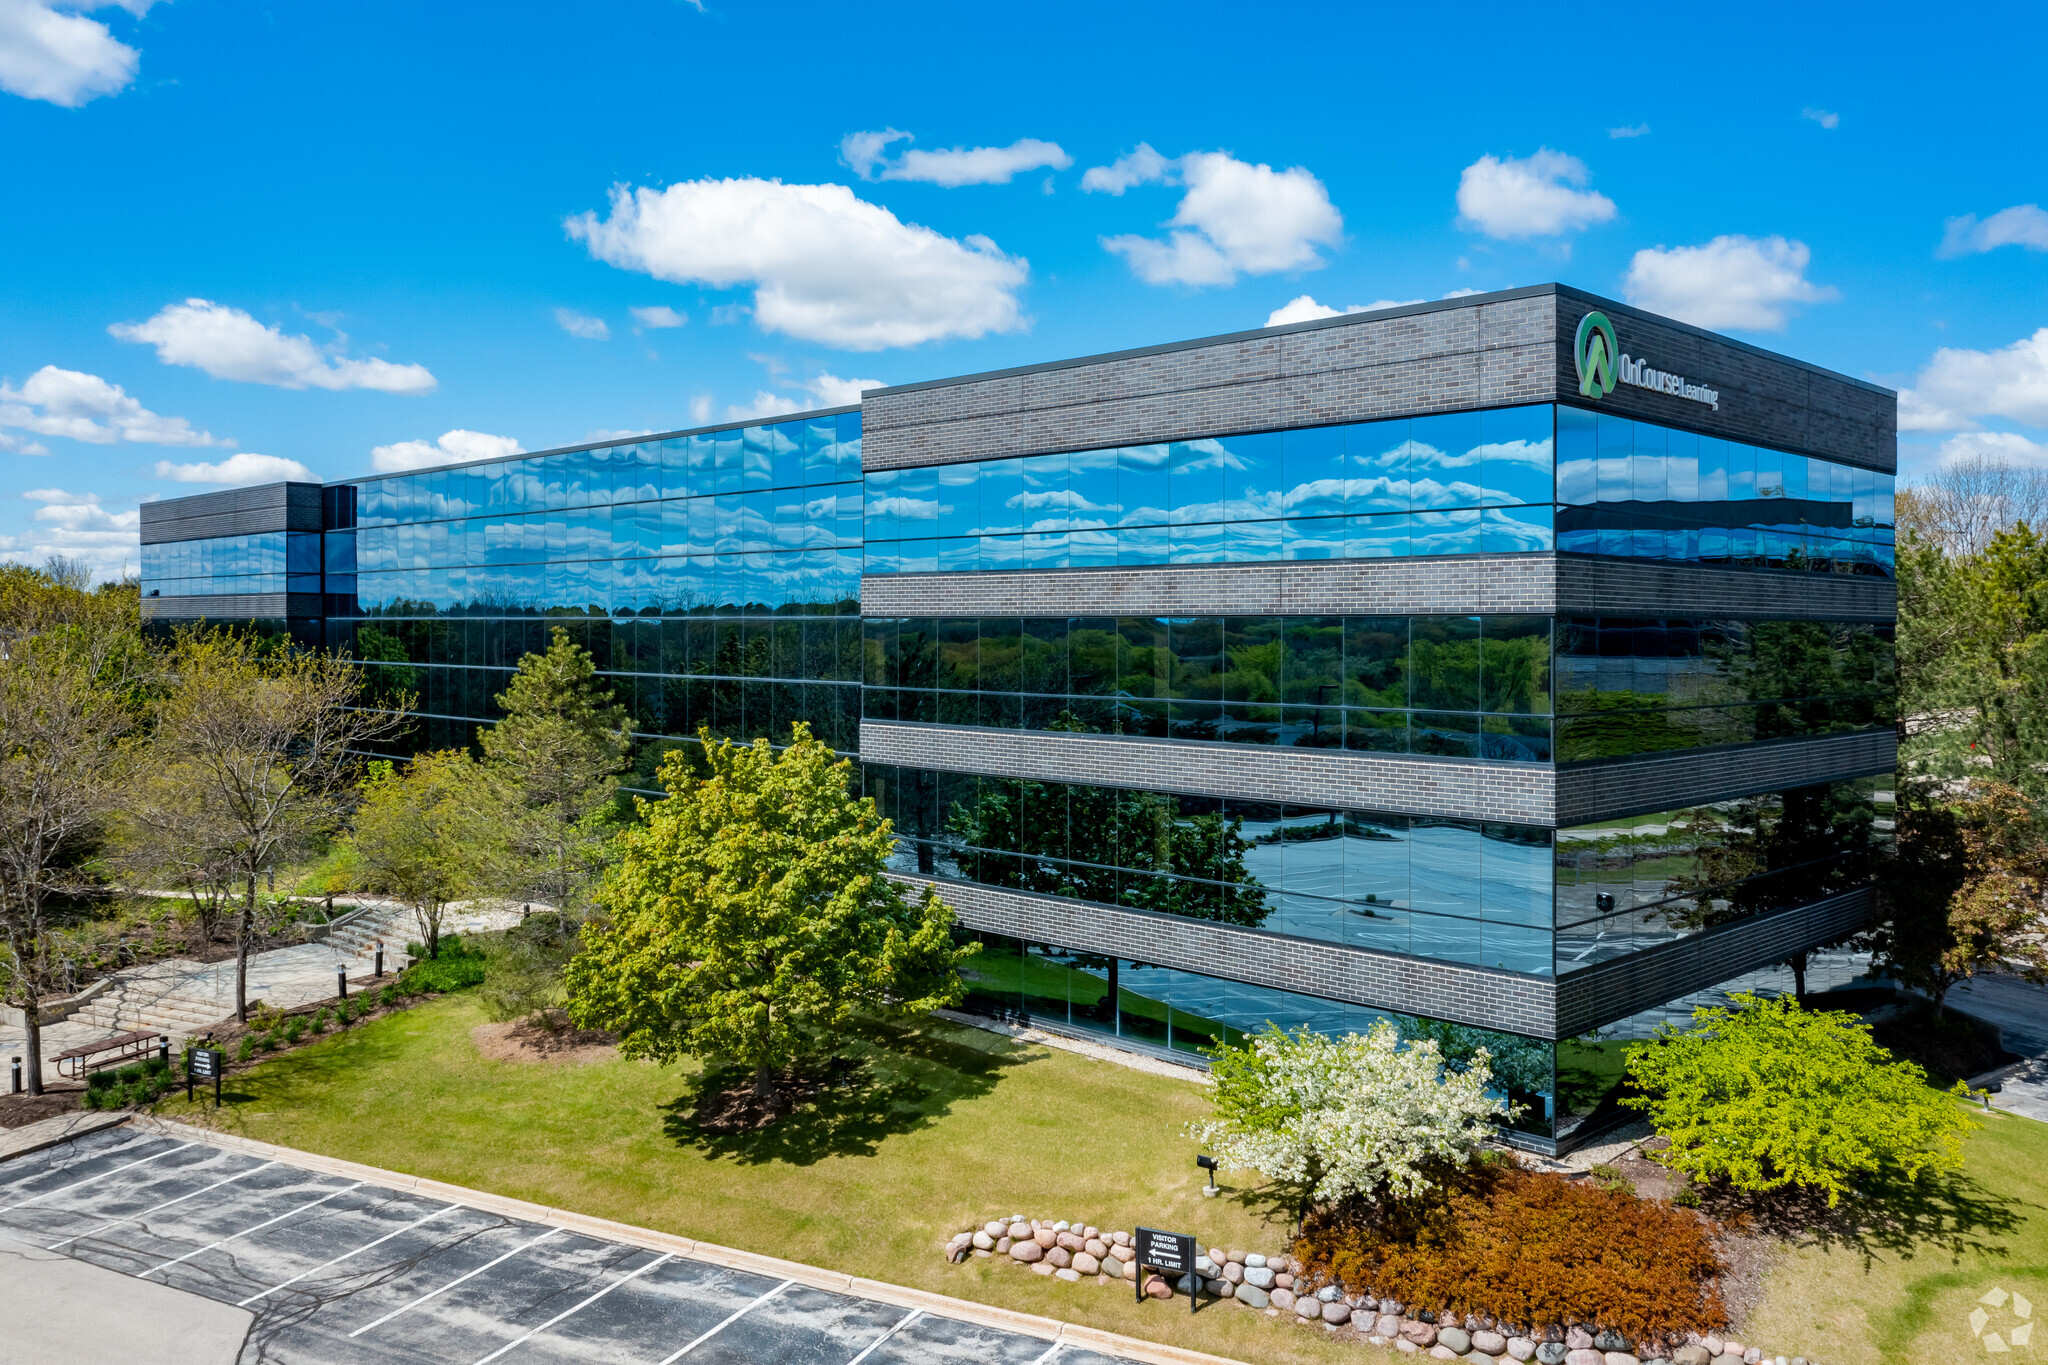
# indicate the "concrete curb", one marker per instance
pixel 34 1137
pixel 1094 1338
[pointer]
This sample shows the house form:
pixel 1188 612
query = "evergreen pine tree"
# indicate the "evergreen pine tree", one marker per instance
pixel 553 763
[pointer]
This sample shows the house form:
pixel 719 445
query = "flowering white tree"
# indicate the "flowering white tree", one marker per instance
pixel 1364 1114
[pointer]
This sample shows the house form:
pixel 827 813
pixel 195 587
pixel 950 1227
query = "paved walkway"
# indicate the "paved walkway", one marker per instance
pixel 284 1257
pixel 182 997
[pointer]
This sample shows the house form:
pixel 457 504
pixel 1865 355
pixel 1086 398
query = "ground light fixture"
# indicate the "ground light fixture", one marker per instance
pixel 1208 1163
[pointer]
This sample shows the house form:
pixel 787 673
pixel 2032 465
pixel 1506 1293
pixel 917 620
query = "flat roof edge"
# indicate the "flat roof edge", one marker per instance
pixel 1375 315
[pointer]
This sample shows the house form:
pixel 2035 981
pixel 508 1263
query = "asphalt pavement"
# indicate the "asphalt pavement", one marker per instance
pixel 128 1245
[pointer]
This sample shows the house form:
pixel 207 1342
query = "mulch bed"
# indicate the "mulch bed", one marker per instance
pixel 528 1041
pixel 18 1111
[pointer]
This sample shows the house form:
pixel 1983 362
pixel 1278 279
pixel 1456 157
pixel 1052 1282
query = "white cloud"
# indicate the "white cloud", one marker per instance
pixel 229 344
pixel 454 447
pixel 1823 117
pixel 66 59
pixel 1732 281
pixel 823 390
pixel 1635 130
pixel 77 526
pixel 1141 167
pixel 85 407
pixel 656 318
pixel 1235 218
pixel 865 151
pixel 1957 386
pixel 2021 225
pixel 700 410
pixel 577 325
pixel 245 467
pixel 11 444
pixel 826 266
pixel 1306 309
pixel 2007 447
pixel 1535 196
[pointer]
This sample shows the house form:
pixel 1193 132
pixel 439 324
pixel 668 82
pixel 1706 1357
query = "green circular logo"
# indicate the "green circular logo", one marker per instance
pixel 1593 351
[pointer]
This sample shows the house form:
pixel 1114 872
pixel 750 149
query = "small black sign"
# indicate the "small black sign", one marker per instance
pixel 1172 1252
pixel 208 1062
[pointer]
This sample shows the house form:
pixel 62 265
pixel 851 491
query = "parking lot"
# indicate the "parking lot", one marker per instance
pixel 326 1270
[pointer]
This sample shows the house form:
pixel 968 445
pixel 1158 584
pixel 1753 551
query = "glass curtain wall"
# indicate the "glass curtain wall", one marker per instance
pixel 1509 897
pixel 269 562
pixel 1184 1012
pixel 715 577
pixel 1504 481
pixel 1454 686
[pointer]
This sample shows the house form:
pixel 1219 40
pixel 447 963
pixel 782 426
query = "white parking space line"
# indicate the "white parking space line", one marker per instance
pixel 137 1217
pixel 286 1284
pixel 77 1184
pixel 901 1323
pixel 246 1231
pixel 1050 1352
pixel 435 1293
pixel 666 1256
pixel 671 1360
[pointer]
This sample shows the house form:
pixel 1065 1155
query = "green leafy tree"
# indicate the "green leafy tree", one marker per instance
pixel 421 836
pixel 1770 1095
pixel 524 981
pixel 553 763
pixel 750 917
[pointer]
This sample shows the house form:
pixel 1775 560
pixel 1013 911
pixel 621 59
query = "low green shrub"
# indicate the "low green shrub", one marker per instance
pixel 389 995
pixel 457 968
pixel 268 1041
pixel 100 1080
pixel 294 1029
pixel 319 1024
pixel 157 1066
pixel 248 1047
pixel 129 1074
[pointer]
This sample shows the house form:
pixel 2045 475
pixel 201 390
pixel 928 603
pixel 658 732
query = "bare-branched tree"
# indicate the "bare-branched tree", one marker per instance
pixel 272 741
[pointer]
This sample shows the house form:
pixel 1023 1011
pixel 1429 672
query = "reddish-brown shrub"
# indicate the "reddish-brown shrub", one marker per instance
pixel 1528 1248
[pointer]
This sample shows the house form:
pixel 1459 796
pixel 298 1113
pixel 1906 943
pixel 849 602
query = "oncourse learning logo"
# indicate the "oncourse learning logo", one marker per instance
pixel 2011 1326
pixel 1595 350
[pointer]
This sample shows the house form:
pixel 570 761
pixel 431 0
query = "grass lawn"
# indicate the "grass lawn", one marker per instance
pixel 1905 1292
pixel 948 1124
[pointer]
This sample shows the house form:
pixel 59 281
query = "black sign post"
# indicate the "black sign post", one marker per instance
pixel 1173 1252
pixel 206 1062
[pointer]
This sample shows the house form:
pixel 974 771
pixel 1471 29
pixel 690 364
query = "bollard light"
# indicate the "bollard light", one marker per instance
pixel 17 1075
pixel 380 959
pixel 340 981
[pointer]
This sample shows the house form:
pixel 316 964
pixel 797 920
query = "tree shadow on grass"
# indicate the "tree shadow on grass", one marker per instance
pixel 1946 1212
pixel 883 1080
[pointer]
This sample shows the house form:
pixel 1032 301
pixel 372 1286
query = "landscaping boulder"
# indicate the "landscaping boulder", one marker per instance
pixel 1388 1325
pixel 1252 1258
pixel 1583 1355
pixel 1086 1264
pixel 1337 1314
pixel 1457 1338
pixel 1123 1252
pixel 1020 1231
pixel 1251 1296
pixel 1067 1273
pixel 1046 1238
pixel 1234 1272
pixel 1620 1358
pixel 1578 1339
pixel 1421 1333
pixel 1521 1348
pixel 1283 1299
pixel 1059 1258
pixel 1550 1353
pixel 984 1242
pixel 1490 1343
pixel 1157 1288
pixel 1095 1247
pixel 1258 1276
pixel 1070 1241
pixel 1442 1352
pixel 1220 1288
pixel 1607 1339
pixel 1714 1345
pixel 1026 1251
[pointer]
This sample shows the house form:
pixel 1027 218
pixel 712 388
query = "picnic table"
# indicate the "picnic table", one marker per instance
pixel 74 1062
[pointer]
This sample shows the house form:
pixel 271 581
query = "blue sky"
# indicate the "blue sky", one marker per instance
pixel 349 237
